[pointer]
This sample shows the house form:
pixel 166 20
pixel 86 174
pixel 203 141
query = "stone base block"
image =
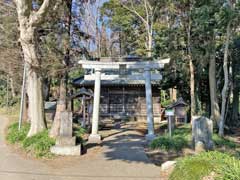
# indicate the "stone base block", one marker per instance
pixel 150 137
pixel 66 150
pixel 94 139
pixel 66 141
pixel 168 165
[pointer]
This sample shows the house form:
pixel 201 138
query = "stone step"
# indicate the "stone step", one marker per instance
pixel 66 150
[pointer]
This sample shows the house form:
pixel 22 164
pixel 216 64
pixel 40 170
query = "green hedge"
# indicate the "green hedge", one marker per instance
pixel 196 167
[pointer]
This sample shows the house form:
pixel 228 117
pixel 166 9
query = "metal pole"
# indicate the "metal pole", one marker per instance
pixel 22 97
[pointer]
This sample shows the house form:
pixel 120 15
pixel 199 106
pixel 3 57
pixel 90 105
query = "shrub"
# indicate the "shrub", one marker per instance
pixel 14 135
pixel 219 142
pixel 196 167
pixel 184 131
pixel 167 143
pixel 39 144
pixel 79 132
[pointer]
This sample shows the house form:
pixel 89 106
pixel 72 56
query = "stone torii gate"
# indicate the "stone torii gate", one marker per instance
pixel 100 66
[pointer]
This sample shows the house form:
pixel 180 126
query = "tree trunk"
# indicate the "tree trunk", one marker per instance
pixel 36 109
pixel 61 106
pixel 34 80
pixel 173 94
pixel 235 104
pixel 236 81
pixel 29 20
pixel 12 87
pixel 149 53
pixel 191 67
pixel 62 102
pixel 25 109
pixel 46 88
pixel 192 88
pixel 215 111
pixel 226 83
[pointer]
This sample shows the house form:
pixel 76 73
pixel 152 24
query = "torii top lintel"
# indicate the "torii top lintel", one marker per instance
pixel 129 65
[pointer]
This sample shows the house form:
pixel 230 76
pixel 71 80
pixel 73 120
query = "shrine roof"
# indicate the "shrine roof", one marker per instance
pixel 179 102
pixel 80 82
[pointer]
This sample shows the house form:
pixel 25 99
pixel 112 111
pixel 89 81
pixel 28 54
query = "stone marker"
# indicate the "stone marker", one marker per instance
pixel 199 147
pixel 66 124
pixel 202 130
pixel 66 143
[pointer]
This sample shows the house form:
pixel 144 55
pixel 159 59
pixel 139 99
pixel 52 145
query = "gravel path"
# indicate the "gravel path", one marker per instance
pixel 121 157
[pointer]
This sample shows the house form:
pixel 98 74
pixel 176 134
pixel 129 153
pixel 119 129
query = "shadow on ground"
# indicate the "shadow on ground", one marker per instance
pixel 127 146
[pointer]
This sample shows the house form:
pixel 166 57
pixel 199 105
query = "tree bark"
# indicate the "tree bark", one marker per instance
pixel 173 94
pixel 149 53
pixel 61 106
pixel 235 104
pixel 12 87
pixel 192 88
pixel 36 109
pixel 235 89
pixel 226 83
pixel 215 110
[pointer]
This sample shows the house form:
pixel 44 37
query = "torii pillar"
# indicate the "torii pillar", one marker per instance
pixel 148 88
pixel 94 137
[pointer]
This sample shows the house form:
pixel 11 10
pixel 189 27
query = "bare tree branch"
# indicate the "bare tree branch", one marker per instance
pixel 133 10
pixel 24 7
pixel 37 17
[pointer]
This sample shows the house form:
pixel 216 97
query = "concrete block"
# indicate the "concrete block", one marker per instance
pixel 66 141
pixel 168 165
pixel 94 139
pixel 66 150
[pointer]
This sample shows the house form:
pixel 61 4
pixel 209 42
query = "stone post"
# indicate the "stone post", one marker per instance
pixel 66 143
pixel 202 130
pixel 148 88
pixel 95 137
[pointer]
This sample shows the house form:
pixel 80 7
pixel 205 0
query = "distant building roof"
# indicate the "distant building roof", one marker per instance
pixel 180 101
pixel 81 92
